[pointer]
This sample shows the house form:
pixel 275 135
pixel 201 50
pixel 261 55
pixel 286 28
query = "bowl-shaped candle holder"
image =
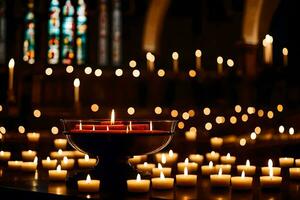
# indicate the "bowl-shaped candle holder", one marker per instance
pixel 114 143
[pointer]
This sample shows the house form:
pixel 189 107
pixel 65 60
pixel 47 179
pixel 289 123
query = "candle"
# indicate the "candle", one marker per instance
pixel 150 61
pixel 11 66
pixel 266 170
pixel 49 164
pixel 67 163
pixel 216 142
pixel 186 179
pixel 60 154
pixel 297 162
pixel 29 166
pixel 271 180
pixel 88 185
pixel 198 55
pixel 162 182
pixel 4 155
pixel 286 162
pixel 175 57
pixel 145 168
pixel 28 155
pixel 197 158
pixel 190 135
pixel 171 157
pixel 241 182
pixel 248 169
pixel 138 185
pixel 60 143
pixel 226 168
pixel 192 166
pixel 76 90
pixel 220 180
pixel 135 160
pixel 268 49
pixel 294 172
pixel 58 174
pixel 228 159
pixel 208 169
pixel 166 170
pixel 220 65
pixel 285 53
pixel 14 165
pixel 87 162
pixel 33 137
pixel 212 156
pixel 75 154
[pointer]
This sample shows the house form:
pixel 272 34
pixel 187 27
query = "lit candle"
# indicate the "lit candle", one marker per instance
pixel 29 166
pixel 220 65
pixel 33 137
pixel 212 156
pixel 14 165
pixel 11 66
pixel 75 154
pixel 226 168
pixel 88 185
pixel 285 53
pixel 268 49
pixel 171 157
pixel 271 180
pixel 28 155
pixel 49 164
pixel 57 154
pixel 266 170
pixel 241 182
pixel 192 166
pixel 216 142
pixel 4 155
pixel 150 61
pixel 197 158
pixel 190 135
pixel 248 169
pixel 87 162
pixel 135 160
pixel 162 182
pixel 76 90
pixel 228 159
pixel 198 55
pixel 166 170
pixel 208 169
pixel 286 162
pixel 294 172
pixel 186 179
pixel 297 162
pixel 67 163
pixel 138 185
pixel 145 168
pixel 58 174
pixel 220 180
pixel 60 143
pixel 175 57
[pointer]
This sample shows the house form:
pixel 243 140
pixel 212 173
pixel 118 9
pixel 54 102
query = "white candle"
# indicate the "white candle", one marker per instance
pixel 28 155
pixel 11 66
pixel 58 174
pixel 171 157
pixel 198 55
pixel 241 182
pixel 226 168
pixel 14 165
pixel 60 154
pixel 216 142
pixel 88 185
pixel 197 158
pixel 4 155
pixel 212 156
pixel 138 185
pixel 87 162
pixel 175 57
pixel 166 170
pixel 135 160
pixel 294 172
pixel 76 90
pixel 60 143
pixel 145 168
pixel 228 159
pixel 285 53
pixel 49 164
pixel 162 182
pixel 286 162
pixel 248 169
pixel 192 166
pixel 33 137
pixel 266 170
pixel 75 154
pixel 208 169
pixel 271 180
pixel 220 180
pixel 186 179
pixel 67 163
pixel 29 166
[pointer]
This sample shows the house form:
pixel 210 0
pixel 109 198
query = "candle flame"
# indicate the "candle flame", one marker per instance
pixel 29 151
pixel 198 53
pixel 11 63
pixel 58 168
pixel 2 152
pixel 76 82
pixel 247 163
pixel 220 172
pixel 270 163
pixel 161 176
pixel 86 157
pixel 186 171
pixel 145 163
pixel 107 129
pixel 285 51
pixel 151 126
pixel 130 126
pixel 186 161
pixel 159 166
pixel 175 55
pixel 163 159
pixel 210 164
pixel 48 159
pixel 271 172
pixel 171 153
pixel 59 151
pixel 213 152
pixel 88 179
pixel 80 125
pixel 243 174
pixel 138 177
pixel 112 119
pixel 94 128
pixel 65 159
pixel 228 156
pixel 35 160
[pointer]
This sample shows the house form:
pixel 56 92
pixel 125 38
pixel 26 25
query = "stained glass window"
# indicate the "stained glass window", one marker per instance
pixel 29 42
pixel 103 33
pixel 81 32
pixel 68 33
pixel 2 31
pixel 53 32
pixel 116 32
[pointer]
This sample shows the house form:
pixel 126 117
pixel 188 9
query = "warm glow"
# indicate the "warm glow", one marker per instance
pixel 136 73
pixel 150 57
pixel 161 176
pixel 219 60
pixel 198 53
pixel 48 159
pixel 76 82
pixel 159 166
pixel 191 113
pixel 48 71
pixel 281 129
pixel 130 110
pixel 280 108
pixel 244 117
pixel 65 159
pixel 228 156
pixel 158 110
pixel 138 177
pixel 98 72
pixel 220 119
pixel 291 131
pixel 208 126
pixel 185 115
pixel 269 39
pixel 192 73
pixel 86 157
pixel 174 113
pixel 11 63
pixel 230 63
pixel 270 163
pixel 94 107
pixel 260 113
pixel 151 126
pixel 35 160
pixel 1 108
pixel 112 117
pixel 257 130
pixel 171 153
pixel 88 179
pixel 175 55
pixel 21 129
pixel 69 69
pixel 119 72
pixel 186 171
pixel 243 141
pixel 161 73
pixel 2 130
pixel 88 70
pixel 247 163
pixel 271 171
pixel 54 130
pixel 206 111
pixel 243 174
pixel 238 108
pixel 233 119
pixel 163 159
pixel 285 51
pixel 37 113
pixel 193 129
pixel 270 114
pixel 253 136
pixel 210 164
pixel 220 171
pixel 58 168
pixel 180 125
pixel 250 110
pixel 186 161
pixel 132 64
